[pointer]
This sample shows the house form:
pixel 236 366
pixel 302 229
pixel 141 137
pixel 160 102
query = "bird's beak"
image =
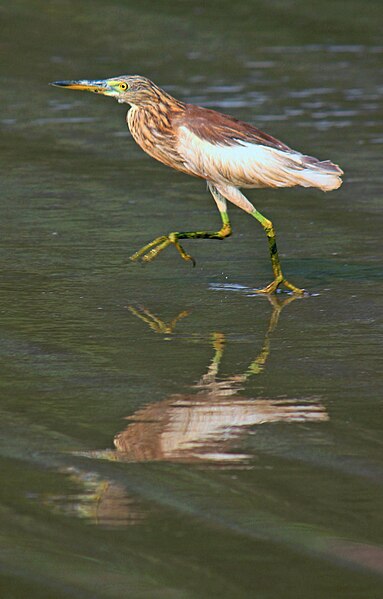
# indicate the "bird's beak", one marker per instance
pixel 97 87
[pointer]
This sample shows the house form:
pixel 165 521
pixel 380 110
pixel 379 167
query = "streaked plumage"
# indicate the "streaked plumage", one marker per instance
pixel 229 154
pixel 224 150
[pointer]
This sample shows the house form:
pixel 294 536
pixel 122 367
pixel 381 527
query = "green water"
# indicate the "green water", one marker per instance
pixel 165 433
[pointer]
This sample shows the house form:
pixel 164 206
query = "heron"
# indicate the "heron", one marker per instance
pixel 229 154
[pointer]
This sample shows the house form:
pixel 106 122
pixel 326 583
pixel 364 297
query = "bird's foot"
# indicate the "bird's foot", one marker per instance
pixel 280 280
pixel 150 251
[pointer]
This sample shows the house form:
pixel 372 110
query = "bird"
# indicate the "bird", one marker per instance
pixel 229 154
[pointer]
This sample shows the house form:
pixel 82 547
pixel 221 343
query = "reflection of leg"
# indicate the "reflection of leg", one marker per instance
pixel 278 306
pixel 258 364
pixel 150 251
pixel 157 324
pixel 210 377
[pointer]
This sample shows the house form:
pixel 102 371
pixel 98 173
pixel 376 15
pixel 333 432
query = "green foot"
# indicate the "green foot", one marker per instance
pixel 273 286
pixel 150 251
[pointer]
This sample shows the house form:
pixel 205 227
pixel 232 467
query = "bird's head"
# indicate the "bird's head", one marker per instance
pixel 134 89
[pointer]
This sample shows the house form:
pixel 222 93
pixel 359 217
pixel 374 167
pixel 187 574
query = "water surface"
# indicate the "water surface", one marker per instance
pixel 164 431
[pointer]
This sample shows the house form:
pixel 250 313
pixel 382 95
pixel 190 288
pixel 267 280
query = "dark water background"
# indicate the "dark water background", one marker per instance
pixel 247 459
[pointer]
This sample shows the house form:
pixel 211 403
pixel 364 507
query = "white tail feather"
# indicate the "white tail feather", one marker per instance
pixel 314 178
pixel 324 175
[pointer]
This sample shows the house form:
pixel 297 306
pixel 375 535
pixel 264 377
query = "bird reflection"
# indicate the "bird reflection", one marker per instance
pixel 97 500
pixel 204 425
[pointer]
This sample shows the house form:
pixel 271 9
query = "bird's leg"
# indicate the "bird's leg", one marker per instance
pixel 275 263
pixel 152 249
pixel 233 194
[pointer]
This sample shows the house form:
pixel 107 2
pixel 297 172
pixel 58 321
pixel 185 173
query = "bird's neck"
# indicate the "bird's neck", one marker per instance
pixel 152 127
pixel 154 116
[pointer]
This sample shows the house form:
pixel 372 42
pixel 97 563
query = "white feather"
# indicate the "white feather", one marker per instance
pixel 250 165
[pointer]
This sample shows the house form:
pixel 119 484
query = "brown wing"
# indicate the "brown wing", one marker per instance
pixel 222 129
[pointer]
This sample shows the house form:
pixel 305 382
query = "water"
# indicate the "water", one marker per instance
pixel 165 432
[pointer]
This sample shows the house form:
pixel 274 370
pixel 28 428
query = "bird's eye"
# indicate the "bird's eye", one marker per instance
pixel 123 86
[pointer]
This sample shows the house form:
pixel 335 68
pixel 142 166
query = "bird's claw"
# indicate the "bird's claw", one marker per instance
pixel 280 280
pixel 184 255
pixel 150 251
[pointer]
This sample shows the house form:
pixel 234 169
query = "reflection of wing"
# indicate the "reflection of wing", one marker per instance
pixel 199 427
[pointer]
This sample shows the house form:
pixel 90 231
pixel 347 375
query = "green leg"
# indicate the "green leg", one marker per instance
pixel 279 279
pixel 152 249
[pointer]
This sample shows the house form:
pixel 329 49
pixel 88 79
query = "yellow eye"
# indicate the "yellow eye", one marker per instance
pixel 123 86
